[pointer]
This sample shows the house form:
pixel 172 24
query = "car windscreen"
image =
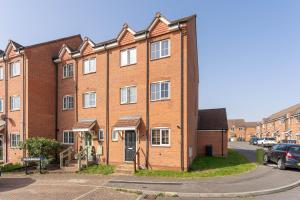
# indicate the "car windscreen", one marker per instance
pixel 271 139
pixel 295 149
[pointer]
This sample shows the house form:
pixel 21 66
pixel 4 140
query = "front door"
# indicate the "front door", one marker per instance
pixel 130 145
pixel 88 144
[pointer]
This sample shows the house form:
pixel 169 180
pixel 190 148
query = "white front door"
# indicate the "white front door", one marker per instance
pixel 88 144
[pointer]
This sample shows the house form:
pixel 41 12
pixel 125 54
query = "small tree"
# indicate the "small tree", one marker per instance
pixel 41 147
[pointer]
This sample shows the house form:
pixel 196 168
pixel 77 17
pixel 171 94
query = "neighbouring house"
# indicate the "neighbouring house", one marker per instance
pixel 28 93
pixel 212 131
pixel 282 125
pixel 241 130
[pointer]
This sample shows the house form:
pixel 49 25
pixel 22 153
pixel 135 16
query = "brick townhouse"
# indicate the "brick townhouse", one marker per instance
pixel 135 93
pixel 27 93
pixel 239 129
pixel 283 125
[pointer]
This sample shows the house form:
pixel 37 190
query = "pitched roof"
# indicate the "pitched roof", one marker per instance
pixel 129 121
pixel 17 45
pixel 236 123
pixel 293 110
pixel 251 124
pixel 212 119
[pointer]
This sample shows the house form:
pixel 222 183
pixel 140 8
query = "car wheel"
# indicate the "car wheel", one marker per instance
pixel 266 159
pixel 280 164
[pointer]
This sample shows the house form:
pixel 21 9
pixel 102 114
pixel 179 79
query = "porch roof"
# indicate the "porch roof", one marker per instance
pixel 127 123
pixel 84 125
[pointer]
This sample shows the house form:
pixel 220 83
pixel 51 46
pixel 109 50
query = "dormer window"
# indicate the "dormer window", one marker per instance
pixel 128 56
pixel 67 70
pixel 15 69
pixel 89 65
pixel 160 49
pixel 1 73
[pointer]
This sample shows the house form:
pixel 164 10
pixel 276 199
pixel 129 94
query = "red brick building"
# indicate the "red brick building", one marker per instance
pixel 241 130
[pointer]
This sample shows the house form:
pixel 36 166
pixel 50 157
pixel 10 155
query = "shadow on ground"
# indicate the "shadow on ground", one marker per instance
pixel 7 184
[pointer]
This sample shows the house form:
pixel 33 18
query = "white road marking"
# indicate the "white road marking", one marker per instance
pixel 85 194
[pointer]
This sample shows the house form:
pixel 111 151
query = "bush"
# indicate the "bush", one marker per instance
pixel 260 156
pixel 11 167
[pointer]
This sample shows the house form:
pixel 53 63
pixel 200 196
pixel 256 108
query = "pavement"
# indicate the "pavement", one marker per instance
pixel 92 187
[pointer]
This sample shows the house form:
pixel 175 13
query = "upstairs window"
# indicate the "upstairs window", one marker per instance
pixel 160 90
pixel 14 103
pixel 1 73
pixel 160 49
pixel 89 65
pixel 68 71
pixel 1 105
pixel 128 95
pixel 15 140
pixel 68 137
pixel 128 57
pixel 15 69
pixel 68 102
pixel 298 118
pixel 89 100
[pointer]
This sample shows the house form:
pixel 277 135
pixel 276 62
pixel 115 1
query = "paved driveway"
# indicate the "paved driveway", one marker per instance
pixel 58 187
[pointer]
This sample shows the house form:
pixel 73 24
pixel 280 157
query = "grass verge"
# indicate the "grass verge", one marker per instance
pixel 11 167
pixel 234 163
pixel 99 169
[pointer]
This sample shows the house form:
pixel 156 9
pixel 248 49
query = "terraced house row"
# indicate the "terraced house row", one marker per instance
pixel 241 130
pixel 136 93
pixel 282 125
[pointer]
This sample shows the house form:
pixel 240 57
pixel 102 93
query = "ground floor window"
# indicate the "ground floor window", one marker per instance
pixel 100 135
pixel 14 139
pixel 160 137
pixel 68 137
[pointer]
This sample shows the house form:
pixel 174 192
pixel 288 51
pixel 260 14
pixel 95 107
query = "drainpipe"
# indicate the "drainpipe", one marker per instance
pixel 24 102
pixel 76 99
pixel 181 99
pixel 6 107
pixel 222 142
pixel 147 101
pixel 107 105
pixel 56 101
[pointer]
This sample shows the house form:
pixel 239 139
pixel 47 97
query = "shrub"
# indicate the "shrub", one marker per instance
pixel 260 156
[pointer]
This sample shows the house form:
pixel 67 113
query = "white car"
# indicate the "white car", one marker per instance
pixel 266 142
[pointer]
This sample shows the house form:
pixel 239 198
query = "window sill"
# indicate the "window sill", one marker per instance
pixel 89 73
pixel 15 76
pixel 68 143
pixel 69 77
pixel 160 100
pixel 128 65
pixel 68 109
pixel 154 59
pixel 15 110
pixel 114 140
pixel 163 146
pixel 89 107
pixel 128 103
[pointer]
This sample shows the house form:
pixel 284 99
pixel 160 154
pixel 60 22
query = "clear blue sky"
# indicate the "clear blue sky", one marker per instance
pixel 249 51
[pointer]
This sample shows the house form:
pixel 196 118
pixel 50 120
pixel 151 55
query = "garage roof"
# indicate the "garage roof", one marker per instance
pixel 212 119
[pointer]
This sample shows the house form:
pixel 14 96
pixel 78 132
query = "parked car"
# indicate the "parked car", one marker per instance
pixel 257 141
pixel 288 141
pixel 267 142
pixel 284 155
pixel 253 140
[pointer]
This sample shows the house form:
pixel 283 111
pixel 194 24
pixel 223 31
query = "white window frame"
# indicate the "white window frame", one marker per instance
pixel 89 106
pixel 128 56
pixel 67 97
pixel 116 134
pixel 90 70
pixel 127 88
pixel 17 141
pixel 68 73
pixel 101 132
pixel 1 102
pixel 68 138
pixel 160 49
pixel 1 73
pixel 160 135
pixel 14 71
pixel 298 118
pixel 13 108
pixel 160 82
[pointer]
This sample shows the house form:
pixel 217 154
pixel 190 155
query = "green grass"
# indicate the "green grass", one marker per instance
pixel 99 169
pixel 234 163
pixel 11 167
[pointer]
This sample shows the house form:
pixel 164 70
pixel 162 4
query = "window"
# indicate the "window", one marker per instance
pixel 128 95
pixel 68 102
pixel 232 129
pixel 68 137
pixel 89 100
pixel 160 137
pixel 100 135
pixel 241 128
pixel 15 103
pixel 160 90
pixel 1 73
pixel 1 105
pixel 281 121
pixel 128 56
pixel 114 136
pixel 298 118
pixel 15 69
pixel 160 49
pixel 89 65
pixel 14 140
pixel 68 70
